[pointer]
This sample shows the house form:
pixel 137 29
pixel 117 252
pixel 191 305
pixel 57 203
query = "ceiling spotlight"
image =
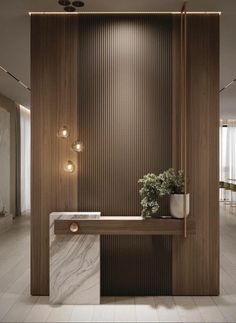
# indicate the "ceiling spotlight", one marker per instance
pixel 78 3
pixel 69 9
pixel 64 2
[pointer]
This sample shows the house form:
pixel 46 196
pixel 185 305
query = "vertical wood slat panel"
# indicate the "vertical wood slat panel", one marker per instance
pixel 53 104
pixel 136 265
pixel 195 260
pixel 124 120
pixel 124 110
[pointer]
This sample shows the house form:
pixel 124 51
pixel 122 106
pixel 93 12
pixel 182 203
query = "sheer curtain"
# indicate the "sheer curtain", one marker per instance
pixel 25 159
pixel 228 152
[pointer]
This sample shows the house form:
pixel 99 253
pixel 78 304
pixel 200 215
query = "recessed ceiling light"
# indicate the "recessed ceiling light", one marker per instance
pixel 64 2
pixel 69 8
pixel 78 3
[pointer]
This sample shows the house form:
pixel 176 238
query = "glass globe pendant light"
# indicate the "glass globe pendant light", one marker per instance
pixel 69 167
pixel 63 132
pixel 78 146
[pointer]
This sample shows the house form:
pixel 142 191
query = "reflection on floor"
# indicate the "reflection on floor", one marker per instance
pixel 17 306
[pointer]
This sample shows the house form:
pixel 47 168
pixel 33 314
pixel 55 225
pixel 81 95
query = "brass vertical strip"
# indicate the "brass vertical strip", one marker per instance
pixel 181 91
pixel 183 45
pixel 185 121
pixel 182 103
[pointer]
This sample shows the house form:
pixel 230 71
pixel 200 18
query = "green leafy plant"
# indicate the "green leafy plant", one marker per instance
pixel 153 187
pixel 149 194
pixel 171 182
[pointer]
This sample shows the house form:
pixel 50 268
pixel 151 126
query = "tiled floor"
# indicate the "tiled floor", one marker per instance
pixel 16 304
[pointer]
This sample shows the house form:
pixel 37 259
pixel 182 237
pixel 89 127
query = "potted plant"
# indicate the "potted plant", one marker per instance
pixel 172 183
pixel 149 194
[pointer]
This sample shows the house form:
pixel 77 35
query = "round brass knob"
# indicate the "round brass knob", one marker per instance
pixel 74 227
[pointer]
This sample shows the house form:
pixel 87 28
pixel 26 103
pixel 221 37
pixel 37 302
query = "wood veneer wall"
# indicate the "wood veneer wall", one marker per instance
pixel 195 260
pixel 53 104
pixel 55 89
pixel 124 120
pixel 124 111
pixel 124 108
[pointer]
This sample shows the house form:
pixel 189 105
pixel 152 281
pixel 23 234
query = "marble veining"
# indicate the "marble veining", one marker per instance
pixel 74 264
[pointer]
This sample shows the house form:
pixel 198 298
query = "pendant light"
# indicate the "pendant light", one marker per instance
pixel 77 146
pixel 69 167
pixel 63 132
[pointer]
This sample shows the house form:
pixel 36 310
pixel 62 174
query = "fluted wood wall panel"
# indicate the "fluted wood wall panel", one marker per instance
pixel 124 120
pixel 136 265
pixel 124 109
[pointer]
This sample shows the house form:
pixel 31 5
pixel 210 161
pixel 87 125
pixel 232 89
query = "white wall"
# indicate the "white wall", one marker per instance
pixel 228 64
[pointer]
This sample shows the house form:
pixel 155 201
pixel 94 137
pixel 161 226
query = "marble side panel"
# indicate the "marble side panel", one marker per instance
pixel 74 264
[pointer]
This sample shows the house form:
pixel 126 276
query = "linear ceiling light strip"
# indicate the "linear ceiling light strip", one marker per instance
pixel 225 87
pixel 15 78
pixel 125 13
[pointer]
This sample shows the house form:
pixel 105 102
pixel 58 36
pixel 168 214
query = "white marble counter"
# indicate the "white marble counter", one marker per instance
pixel 126 218
pixel 74 263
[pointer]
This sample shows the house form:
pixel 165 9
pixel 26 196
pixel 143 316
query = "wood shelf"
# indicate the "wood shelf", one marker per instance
pixel 126 226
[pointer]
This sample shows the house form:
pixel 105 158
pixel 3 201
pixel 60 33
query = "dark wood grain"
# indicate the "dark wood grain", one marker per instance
pixel 124 110
pixel 65 87
pixel 125 227
pixel 118 130
pixel 53 104
pixel 137 272
pixel 124 120
pixel 195 260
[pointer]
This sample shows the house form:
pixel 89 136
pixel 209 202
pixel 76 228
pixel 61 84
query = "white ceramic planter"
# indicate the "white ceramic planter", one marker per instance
pixel 177 205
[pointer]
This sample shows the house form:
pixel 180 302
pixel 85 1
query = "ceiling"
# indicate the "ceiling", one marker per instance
pixel 15 39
